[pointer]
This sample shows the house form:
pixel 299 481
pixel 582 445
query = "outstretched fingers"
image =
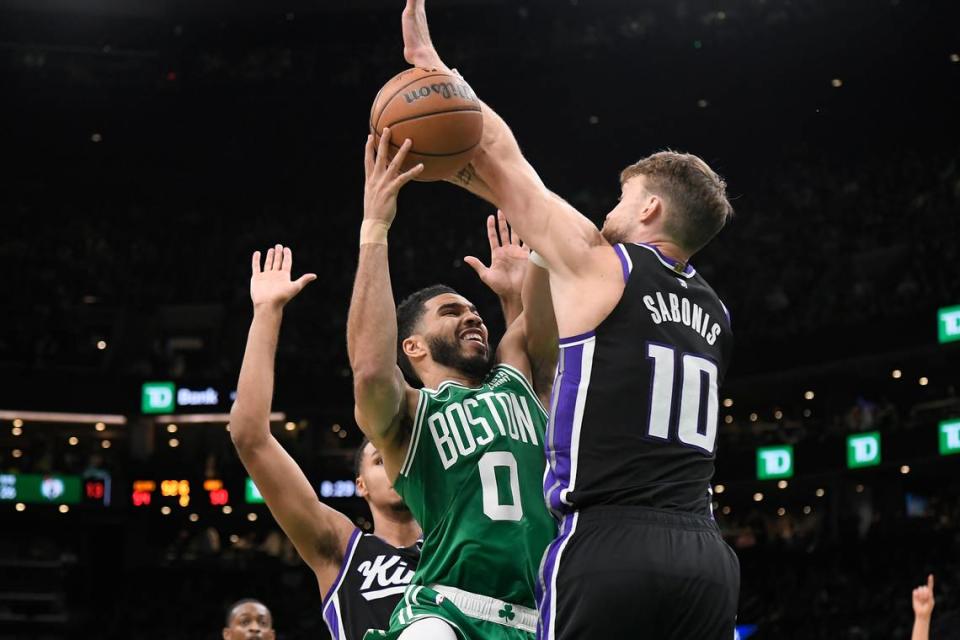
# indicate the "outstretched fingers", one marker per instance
pixel 369 158
pixel 504 228
pixel 268 262
pixel 492 234
pixel 304 280
pixel 278 257
pixel 255 263
pixel 383 150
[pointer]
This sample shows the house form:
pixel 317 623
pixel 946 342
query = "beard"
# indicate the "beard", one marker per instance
pixel 399 508
pixel 449 353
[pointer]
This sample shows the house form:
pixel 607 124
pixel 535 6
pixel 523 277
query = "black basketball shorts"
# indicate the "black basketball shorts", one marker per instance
pixel 632 572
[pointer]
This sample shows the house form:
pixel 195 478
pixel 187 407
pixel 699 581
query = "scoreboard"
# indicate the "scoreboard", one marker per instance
pixel 36 488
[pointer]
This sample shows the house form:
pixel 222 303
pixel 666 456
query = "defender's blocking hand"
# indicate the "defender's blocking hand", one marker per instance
pixel 271 286
pixel 418 49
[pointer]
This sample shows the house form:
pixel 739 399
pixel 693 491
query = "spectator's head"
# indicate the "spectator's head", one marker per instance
pixel 248 619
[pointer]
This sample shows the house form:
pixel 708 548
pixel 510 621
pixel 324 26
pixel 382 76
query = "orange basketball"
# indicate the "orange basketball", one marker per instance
pixel 440 114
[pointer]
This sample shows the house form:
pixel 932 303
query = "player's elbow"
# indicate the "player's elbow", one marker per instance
pixel 247 432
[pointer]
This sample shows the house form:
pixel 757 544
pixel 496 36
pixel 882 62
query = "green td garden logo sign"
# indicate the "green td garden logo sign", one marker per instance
pixel 863 450
pixel 775 462
pixel 948 323
pixel 950 437
pixel 157 397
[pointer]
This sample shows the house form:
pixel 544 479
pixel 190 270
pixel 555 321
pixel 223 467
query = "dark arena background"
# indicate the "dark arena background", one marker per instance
pixel 151 145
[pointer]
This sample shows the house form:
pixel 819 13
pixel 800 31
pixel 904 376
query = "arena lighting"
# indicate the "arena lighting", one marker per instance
pixel 836 83
pixel 206 418
pixel 101 345
pixel 808 395
pixel 100 426
pixel 820 493
pixel 955 57
pixel 63 508
pixel 290 426
pixel 728 402
pixel 719 489
pixel 924 381
pixel 897 374
pixel 55 416
pixel 778 415
pixel 758 497
pixel 728 419
pixel 21 507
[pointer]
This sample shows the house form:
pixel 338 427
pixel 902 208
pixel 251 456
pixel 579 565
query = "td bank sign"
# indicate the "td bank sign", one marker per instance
pixel 162 397
pixel 775 462
pixel 863 450
pixel 948 324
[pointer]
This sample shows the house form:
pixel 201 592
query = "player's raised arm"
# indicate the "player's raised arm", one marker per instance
pixel 378 385
pixel 319 533
pixel 501 175
pixel 530 343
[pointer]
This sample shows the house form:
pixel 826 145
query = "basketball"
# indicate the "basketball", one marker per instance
pixel 440 114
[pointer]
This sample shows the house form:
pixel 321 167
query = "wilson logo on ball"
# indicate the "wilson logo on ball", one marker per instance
pixel 446 90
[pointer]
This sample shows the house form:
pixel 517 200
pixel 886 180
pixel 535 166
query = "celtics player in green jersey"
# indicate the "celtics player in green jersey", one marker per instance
pixel 465 450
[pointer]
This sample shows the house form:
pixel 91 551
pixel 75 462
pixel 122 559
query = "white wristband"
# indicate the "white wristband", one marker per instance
pixel 538 260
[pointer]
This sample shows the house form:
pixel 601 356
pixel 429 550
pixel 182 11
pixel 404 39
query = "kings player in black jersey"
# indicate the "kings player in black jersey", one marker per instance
pixel 645 343
pixel 361 576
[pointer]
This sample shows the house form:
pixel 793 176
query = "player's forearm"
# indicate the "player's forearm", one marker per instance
pixel 512 307
pixel 541 330
pixel 512 183
pixel 250 414
pixel 921 628
pixel 372 320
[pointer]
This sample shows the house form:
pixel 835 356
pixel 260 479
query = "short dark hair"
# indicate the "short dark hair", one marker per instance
pixel 697 196
pixel 241 602
pixel 409 312
pixel 358 457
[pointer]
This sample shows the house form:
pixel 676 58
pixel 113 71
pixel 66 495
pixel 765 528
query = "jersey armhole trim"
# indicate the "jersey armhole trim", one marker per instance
pixel 347 559
pixel 415 433
pixel 516 373
pixel 578 339
pixel 626 264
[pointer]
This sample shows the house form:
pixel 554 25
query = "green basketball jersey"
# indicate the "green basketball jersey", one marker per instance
pixel 472 479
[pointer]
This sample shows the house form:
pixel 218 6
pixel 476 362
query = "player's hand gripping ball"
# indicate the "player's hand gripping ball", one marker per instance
pixel 440 114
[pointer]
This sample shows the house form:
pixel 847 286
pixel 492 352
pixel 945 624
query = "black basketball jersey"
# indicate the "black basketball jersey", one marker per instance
pixel 372 578
pixel 634 410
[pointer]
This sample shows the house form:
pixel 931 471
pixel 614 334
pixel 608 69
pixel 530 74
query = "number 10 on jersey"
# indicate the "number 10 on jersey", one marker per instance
pixel 698 406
